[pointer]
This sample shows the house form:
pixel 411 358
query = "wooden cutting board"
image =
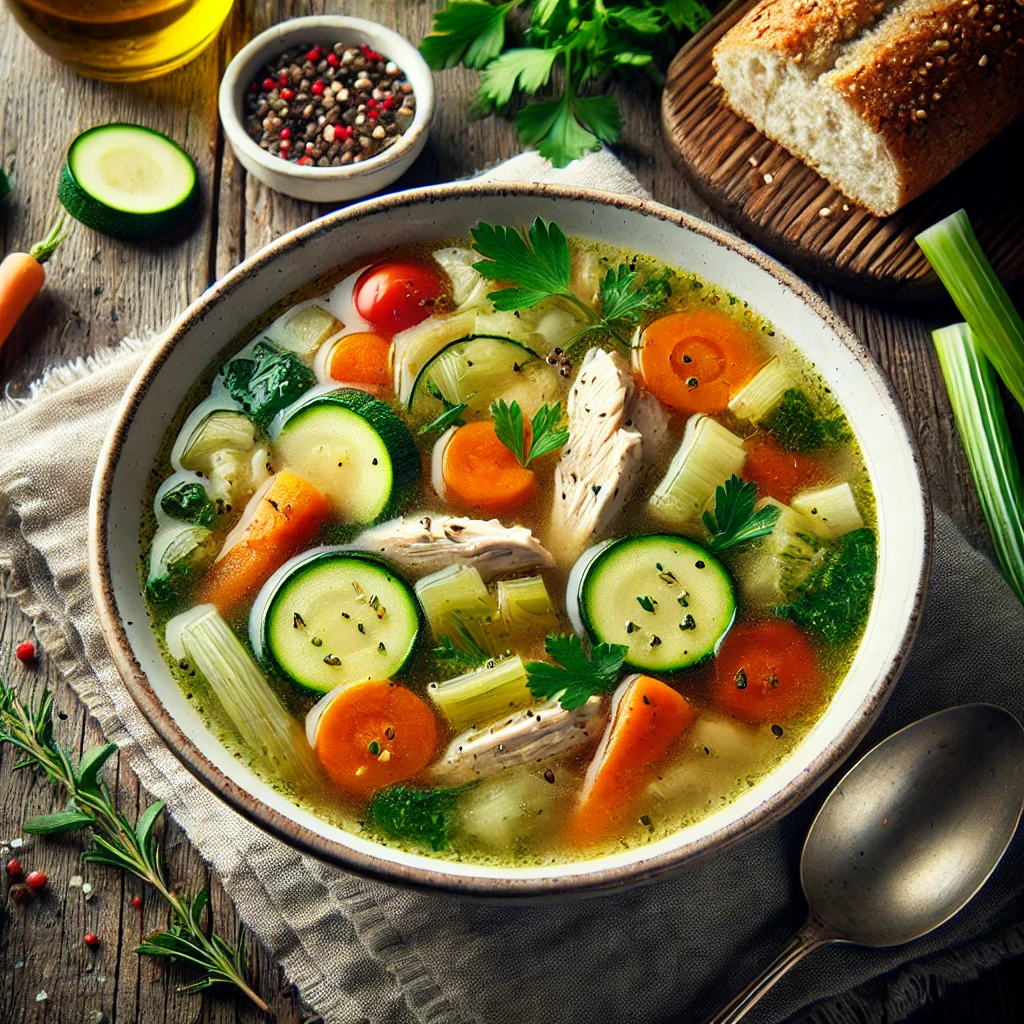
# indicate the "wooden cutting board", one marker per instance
pixel 794 214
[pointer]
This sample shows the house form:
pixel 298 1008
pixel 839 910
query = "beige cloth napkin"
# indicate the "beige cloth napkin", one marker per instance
pixel 362 951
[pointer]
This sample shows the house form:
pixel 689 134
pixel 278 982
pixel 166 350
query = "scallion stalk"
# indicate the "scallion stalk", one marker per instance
pixel 952 249
pixel 981 421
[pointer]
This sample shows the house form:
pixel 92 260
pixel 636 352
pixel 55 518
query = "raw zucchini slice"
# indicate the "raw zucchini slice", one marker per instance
pixel 353 448
pixel 332 616
pixel 128 182
pixel 666 598
pixel 478 369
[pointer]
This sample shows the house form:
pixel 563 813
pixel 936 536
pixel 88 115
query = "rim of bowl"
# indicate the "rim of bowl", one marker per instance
pixel 272 41
pixel 381 868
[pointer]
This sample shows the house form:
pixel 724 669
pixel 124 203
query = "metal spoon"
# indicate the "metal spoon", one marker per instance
pixel 910 834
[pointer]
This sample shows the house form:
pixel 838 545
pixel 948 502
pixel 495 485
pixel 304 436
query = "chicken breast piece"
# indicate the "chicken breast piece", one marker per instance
pixel 611 423
pixel 427 542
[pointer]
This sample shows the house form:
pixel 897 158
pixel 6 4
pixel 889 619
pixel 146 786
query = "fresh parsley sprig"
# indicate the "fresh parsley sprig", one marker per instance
pixel 575 676
pixel 545 435
pixel 537 265
pixel 116 843
pixel 588 41
pixel 734 520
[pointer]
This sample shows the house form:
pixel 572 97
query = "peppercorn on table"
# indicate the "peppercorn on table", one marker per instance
pixel 65 958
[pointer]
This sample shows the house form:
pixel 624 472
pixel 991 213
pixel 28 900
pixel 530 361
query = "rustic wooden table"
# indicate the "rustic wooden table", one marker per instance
pixel 99 291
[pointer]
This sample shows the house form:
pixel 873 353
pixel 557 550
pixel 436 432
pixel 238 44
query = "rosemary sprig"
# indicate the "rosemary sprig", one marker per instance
pixel 115 842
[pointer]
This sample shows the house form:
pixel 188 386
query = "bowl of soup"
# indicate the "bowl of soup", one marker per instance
pixel 509 540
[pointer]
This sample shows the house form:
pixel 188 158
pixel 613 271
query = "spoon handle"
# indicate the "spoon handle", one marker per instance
pixel 805 940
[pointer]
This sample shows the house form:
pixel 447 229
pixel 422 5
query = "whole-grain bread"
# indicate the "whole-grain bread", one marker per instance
pixel 882 97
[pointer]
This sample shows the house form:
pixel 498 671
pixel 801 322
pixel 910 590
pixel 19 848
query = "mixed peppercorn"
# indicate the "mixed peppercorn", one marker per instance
pixel 329 106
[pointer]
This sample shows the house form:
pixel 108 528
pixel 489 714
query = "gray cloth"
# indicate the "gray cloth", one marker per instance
pixel 670 951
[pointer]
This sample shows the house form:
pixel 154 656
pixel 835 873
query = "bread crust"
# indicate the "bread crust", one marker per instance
pixel 936 80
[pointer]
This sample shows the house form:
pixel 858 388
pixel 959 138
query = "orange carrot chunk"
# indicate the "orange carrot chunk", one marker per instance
pixel 778 473
pixel 648 716
pixel 361 358
pixel 695 362
pixel 286 517
pixel 373 735
pixel 766 672
pixel 480 472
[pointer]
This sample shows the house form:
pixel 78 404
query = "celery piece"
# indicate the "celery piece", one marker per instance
pixel 953 251
pixel 833 509
pixel 480 696
pixel 981 421
pixel 457 596
pixel 524 604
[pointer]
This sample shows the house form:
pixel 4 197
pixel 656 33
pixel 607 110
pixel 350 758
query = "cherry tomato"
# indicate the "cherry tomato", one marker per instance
pixel 395 296
pixel 766 671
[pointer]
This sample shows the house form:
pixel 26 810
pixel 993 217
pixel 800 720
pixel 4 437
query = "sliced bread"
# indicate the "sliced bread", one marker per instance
pixel 882 97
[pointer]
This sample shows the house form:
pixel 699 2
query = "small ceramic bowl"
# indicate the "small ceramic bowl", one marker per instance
pixel 325 184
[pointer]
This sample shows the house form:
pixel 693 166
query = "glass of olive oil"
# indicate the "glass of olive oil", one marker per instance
pixel 121 40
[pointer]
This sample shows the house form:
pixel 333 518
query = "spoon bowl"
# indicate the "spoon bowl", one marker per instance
pixel 916 827
pixel 911 832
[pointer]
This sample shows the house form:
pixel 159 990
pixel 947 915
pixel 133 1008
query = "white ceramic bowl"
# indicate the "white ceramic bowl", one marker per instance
pixel 325 184
pixel 197 340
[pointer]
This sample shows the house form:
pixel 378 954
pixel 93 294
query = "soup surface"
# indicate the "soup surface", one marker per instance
pixel 512 549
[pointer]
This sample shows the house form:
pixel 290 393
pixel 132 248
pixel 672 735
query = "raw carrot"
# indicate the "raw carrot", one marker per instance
pixel 361 358
pixel 281 520
pixel 779 473
pixel 694 362
pixel 479 471
pixel 648 716
pixel 766 672
pixel 374 734
pixel 22 276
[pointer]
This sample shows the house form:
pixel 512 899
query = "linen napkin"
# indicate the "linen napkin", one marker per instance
pixel 363 951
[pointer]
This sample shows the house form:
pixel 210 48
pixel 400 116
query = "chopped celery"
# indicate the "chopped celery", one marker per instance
pixel 833 509
pixel 454 596
pixel 202 638
pixel 178 552
pixel 223 448
pixel 481 696
pixel 763 392
pixel 708 456
pixel 304 329
pixel 981 420
pixel 219 430
pixel 525 605
pixel 503 812
pixel 952 249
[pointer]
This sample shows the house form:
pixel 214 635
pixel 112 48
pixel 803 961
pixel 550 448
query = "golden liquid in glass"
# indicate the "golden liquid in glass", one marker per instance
pixel 121 40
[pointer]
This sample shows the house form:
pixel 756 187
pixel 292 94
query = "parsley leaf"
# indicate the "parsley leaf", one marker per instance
pixel 468 31
pixel 575 676
pixel 623 298
pixel 734 520
pixel 554 132
pixel 544 437
pixel 527 69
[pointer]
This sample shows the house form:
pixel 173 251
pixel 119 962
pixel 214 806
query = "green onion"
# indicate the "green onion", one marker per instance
pixel 953 250
pixel 981 420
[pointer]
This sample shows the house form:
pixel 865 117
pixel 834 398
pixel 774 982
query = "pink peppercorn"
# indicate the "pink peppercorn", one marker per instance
pixel 25 652
pixel 287 94
pixel 136 903
pixel 285 133
pixel 286 144
pixel 313 54
pixel 14 868
pixel 91 940
pixel 36 880
pixel 332 59
pixel 317 88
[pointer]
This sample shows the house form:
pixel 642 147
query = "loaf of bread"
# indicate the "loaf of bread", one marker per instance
pixel 882 97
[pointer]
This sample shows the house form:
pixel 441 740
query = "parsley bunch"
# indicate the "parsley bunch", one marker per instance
pixel 575 678
pixel 573 46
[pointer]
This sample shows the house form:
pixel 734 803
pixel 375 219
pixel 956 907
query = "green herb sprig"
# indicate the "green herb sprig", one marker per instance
pixel 116 843
pixel 537 265
pixel 575 676
pixel 734 520
pixel 459 655
pixel 588 41
pixel 545 434
pixel 452 415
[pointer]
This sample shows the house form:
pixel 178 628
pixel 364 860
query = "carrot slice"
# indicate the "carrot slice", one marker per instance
pixel 766 671
pixel 779 473
pixel 361 358
pixel 479 471
pixel 694 362
pixel 286 517
pixel 648 716
pixel 374 734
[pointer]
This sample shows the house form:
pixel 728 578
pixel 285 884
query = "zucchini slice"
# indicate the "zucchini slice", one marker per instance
pixel 478 369
pixel 353 448
pixel 664 597
pixel 128 182
pixel 330 616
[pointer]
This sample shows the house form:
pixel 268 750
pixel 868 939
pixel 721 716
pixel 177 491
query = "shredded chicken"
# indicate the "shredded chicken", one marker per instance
pixel 614 431
pixel 427 542
pixel 528 736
